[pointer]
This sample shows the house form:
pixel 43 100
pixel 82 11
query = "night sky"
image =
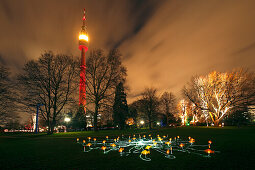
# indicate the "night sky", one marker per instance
pixel 163 43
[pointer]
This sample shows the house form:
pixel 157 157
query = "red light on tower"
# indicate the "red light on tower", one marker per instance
pixel 83 46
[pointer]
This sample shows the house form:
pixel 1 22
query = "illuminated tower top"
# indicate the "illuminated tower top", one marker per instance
pixel 83 35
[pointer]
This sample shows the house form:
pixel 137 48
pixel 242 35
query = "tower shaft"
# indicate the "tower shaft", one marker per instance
pixel 83 46
pixel 82 94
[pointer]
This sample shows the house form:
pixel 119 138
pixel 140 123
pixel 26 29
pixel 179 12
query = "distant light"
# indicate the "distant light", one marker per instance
pixel 158 123
pixel 83 37
pixel 67 119
pixel 142 122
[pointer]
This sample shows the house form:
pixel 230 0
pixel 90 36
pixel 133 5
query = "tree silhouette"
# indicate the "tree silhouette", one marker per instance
pixel 7 97
pixel 103 74
pixel 120 107
pixel 51 81
pixel 150 103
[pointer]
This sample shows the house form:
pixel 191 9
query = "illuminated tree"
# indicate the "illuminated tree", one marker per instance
pixel 130 121
pixel 183 111
pixel 51 81
pixel 217 93
pixel 103 74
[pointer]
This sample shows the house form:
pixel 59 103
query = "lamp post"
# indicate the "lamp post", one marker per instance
pixel 37 113
pixel 67 120
pixel 142 123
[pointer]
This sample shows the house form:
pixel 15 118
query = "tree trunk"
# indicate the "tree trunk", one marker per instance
pixel 95 117
pixel 49 126
pixel 149 117
pixel 216 123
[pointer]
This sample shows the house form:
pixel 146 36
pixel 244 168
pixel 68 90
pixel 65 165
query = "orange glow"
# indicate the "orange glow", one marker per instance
pixel 130 121
pixel 168 143
pixel 83 141
pixel 129 141
pixel 121 150
pixel 95 139
pixel 145 152
pixel 103 147
pixel 167 152
pixel 113 145
pixel 77 139
pixel 106 137
pixel 209 151
pixel 192 140
pixel 210 142
pixel 89 144
pixel 89 138
pixel 181 145
pixel 104 141
pixel 83 37
pixel 134 138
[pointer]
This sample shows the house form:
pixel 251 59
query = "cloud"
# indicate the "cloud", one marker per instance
pixel 185 38
pixel 163 43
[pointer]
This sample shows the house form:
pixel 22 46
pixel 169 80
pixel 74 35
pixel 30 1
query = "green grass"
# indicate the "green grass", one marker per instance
pixel 60 151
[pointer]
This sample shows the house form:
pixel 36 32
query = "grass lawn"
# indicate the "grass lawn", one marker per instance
pixel 60 151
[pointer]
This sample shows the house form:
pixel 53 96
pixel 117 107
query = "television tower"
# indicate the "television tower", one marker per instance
pixel 83 46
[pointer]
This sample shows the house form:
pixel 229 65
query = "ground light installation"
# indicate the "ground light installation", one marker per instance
pixel 143 145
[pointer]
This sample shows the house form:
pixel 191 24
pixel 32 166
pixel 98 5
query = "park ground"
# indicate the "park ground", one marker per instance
pixel 60 151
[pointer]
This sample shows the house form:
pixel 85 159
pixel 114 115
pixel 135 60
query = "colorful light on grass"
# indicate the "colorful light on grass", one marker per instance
pixel 145 146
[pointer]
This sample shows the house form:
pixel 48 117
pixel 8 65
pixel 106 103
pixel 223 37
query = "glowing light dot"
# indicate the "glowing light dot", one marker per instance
pixel 83 37
pixel 121 150
pixel 167 152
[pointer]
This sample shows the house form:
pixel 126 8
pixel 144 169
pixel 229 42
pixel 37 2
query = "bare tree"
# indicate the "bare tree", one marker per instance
pixel 51 81
pixel 104 72
pixel 7 97
pixel 150 103
pixel 168 106
pixel 217 93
